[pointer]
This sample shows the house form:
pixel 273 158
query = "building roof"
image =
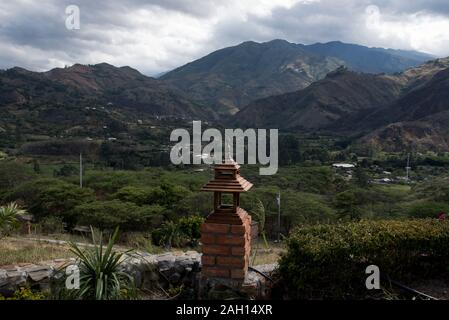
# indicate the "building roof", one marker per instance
pixel 224 185
pixel 343 165
pixel 239 184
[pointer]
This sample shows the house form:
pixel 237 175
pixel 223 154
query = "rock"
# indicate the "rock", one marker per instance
pixel 148 270
pixel 175 278
pixel 3 278
pixel 165 262
pixel 39 273
pixel 16 278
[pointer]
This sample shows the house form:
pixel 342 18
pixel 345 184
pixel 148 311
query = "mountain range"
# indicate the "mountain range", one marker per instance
pixel 393 112
pixel 392 99
pixel 230 78
pixel 87 97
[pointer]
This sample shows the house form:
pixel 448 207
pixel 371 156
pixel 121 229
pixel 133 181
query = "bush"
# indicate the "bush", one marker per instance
pixel 12 174
pixel 165 195
pixel 190 226
pixel 329 261
pixel 9 218
pixel 110 214
pixel 51 197
pixel 132 194
pixel 185 231
pixel 169 235
pixel 24 293
pixel 101 277
pixel 51 225
pixel 427 209
pixel 60 200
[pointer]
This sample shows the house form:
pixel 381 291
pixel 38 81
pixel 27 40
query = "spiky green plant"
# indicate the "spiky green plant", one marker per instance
pixel 100 277
pixel 9 217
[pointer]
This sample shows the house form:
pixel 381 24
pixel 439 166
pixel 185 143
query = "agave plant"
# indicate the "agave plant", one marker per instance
pixel 9 217
pixel 100 277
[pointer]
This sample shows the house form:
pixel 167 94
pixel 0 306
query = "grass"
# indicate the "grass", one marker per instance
pixel 262 255
pixel 23 250
pixel 397 189
pixel 15 251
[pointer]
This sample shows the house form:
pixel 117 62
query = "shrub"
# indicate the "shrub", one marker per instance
pixel 12 174
pixel 190 226
pixel 9 218
pixel 329 261
pixel 185 231
pixel 28 192
pixel 60 200
pixel 51 225
pixel 66 170
pixel 427 209
pixel 51 197
pixel 110 214
pixel 100 277
pixel 169 235
pixel 24 293
pixel 132 194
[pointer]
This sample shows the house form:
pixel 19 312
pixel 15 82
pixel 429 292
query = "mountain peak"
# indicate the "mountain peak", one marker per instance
pixel 341 70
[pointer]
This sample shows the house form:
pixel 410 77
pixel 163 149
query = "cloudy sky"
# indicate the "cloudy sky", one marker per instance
pixel 157 35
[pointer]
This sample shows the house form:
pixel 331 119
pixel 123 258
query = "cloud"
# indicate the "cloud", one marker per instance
pixel 158 35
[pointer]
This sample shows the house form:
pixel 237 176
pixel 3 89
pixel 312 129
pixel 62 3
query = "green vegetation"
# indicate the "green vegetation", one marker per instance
pixel 100 278
pixel 9 218
pixel 15 251
pixel 156 200
pixel 329 261
pixel 25 293
pixel 187 231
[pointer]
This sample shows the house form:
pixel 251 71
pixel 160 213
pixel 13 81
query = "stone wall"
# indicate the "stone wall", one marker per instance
pixel 150 272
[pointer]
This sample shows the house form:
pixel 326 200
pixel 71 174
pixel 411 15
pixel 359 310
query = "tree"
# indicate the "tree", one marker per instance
pixel 361 178
pixel 12 174
pixel 60 200
pixel 36 166
pixel 303 208
pixel 427 209
pixel 107 215
pixel 66 170
pixel 139 196
pixel 347 204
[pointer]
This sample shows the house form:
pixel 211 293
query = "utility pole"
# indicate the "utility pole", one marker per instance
pixel 278 198
pixel 407 168
pixel 81 170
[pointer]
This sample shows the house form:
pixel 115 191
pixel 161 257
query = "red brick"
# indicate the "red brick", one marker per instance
pixel 231 261
pixel 215 228
pixel 207 238
pixel 238 251
pixel 231 239
pixel 216 249
pixel 207 260
pixel 238 274
pixel 215 272
pixel 238 229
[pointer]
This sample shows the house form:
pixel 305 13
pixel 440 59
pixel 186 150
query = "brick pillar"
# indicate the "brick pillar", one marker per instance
pixel 226 245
